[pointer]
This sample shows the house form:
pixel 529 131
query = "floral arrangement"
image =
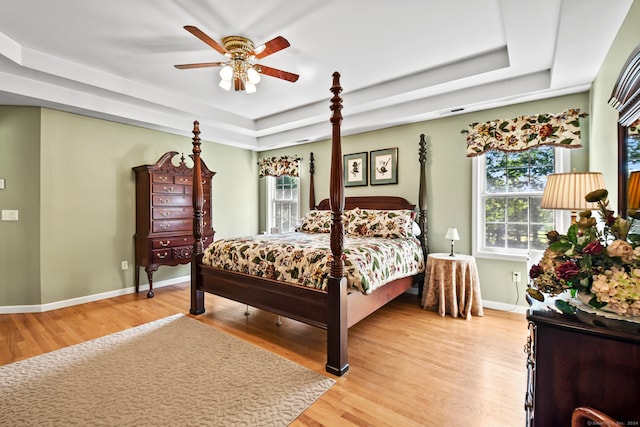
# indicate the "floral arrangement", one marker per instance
pixel 602 264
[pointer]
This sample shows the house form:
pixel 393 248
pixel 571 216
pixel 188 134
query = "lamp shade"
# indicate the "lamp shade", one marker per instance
pixel 567 190
pixel 452 234
pixel 633 190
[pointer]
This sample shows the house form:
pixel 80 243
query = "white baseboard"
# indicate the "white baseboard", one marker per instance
pixel 39 308
pixel 495 305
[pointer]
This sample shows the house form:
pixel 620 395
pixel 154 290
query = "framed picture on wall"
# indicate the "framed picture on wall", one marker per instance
pixel 384 166
pixel 355 169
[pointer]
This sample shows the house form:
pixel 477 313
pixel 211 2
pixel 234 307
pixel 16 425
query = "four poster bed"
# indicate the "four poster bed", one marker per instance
pixel 331 303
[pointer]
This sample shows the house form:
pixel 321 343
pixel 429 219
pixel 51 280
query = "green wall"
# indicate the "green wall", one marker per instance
pixel 20 240
pixel 604 118
pixel 71 178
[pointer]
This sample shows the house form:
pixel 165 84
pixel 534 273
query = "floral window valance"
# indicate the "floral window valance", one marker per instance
pixel 279 166
pixel 525 132
pixel 634 128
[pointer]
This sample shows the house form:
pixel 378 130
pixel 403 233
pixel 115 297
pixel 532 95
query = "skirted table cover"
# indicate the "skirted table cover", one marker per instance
pixel 451 285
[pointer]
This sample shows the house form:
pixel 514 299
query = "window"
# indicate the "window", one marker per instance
pixel 509 222
pixel 283 209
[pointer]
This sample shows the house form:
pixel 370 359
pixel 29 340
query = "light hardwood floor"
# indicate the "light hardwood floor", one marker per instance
pixel 408 367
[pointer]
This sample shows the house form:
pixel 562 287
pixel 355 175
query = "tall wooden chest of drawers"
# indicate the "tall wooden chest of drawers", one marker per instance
pixel 164 215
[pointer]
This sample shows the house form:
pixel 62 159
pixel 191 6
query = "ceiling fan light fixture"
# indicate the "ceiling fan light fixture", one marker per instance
pixel 225 84
pixel 252 75
pixel 249 87
pixel 226 73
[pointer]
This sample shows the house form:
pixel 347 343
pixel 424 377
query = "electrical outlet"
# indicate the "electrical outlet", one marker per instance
pixel 125 265
pixel 515 276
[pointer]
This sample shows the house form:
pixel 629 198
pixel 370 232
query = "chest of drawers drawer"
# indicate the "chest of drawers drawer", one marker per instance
pixel 164 213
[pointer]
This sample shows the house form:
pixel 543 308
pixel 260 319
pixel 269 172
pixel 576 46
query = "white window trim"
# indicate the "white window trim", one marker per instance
pixel 561 218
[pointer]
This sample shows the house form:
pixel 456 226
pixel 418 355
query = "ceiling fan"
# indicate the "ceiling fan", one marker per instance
pixel 240 51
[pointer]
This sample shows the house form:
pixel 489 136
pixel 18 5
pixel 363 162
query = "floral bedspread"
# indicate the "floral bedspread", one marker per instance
pixel 303 258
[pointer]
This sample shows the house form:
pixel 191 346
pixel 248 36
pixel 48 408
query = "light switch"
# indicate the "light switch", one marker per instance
pixel 8 215
pixel 1 183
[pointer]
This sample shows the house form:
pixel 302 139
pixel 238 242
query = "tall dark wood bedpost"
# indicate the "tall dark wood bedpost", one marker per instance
pixel 312 190
pixel 422 203
pixel 197 295
pixel 422 195
pixel 337 363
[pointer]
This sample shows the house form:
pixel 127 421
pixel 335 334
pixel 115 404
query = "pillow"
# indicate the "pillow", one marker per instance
pixel 381 223
pixel 319 221
pixel 415 229
pixel 316 222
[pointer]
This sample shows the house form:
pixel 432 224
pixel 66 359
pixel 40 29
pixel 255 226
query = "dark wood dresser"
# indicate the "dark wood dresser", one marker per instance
pixel 572 363
pixel 164 215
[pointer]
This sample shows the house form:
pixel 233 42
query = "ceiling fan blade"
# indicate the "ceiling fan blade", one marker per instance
pixel 284 75
pixel 270 47
pixel 199 65
pixel 205 38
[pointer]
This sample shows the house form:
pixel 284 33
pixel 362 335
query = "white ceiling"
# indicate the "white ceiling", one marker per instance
pixel 401 61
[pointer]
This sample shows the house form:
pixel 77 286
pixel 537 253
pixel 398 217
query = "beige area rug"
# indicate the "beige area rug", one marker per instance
pixel 175 371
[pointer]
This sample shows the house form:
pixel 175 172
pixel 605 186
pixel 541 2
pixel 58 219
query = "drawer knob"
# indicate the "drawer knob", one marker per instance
pixel 184 180
pixel 162 256
pixel 164 213
pixel 167 189
pixel 165 244
pixel 162 178
pixel 165 226
pixel 164 201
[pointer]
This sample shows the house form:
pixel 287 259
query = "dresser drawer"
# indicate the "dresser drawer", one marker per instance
pixel 168 200
pixel 162 178
pixel 177 225
pixel 183 179
pixel 160 256
pixel 170 242
pixel 172 213
pixel 168 189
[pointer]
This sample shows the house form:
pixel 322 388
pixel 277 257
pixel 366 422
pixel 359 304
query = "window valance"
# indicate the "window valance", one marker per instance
pixel 634 128
pixel 279 166
pixel 525 132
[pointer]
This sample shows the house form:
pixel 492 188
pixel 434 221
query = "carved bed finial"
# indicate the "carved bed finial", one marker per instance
pixel 197 192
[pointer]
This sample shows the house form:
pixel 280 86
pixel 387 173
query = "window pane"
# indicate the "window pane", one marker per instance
pixel 518 179
pixel 537 213
pixel 518 236
pixel 495 160
pixel 542 156
pixel 518 209
pixel 495 181
pixel 494 209
pixel 539 236
pixel 518 159
pixel 495 235
pixel 539 176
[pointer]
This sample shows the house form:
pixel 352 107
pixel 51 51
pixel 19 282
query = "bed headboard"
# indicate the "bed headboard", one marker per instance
pixel 371 202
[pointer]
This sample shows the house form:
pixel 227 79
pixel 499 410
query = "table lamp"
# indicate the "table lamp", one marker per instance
pixel 633 190
pixel 452 234
pixel 567 191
